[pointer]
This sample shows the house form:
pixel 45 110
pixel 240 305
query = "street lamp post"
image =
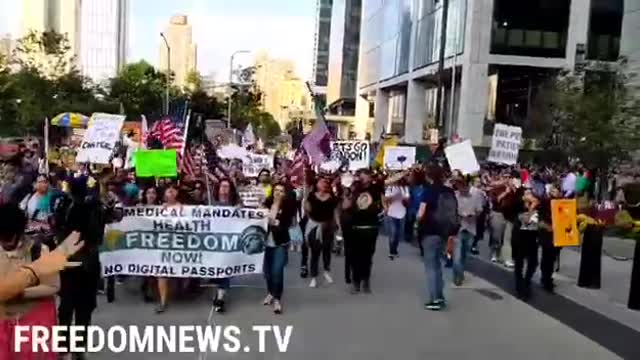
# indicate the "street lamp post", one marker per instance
pixel 231 83
pixel 166 95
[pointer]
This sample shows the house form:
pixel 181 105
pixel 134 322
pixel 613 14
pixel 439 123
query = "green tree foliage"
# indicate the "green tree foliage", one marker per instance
pixel 140 88
pixel 246 107
pixel 194 81
pixel 44 52
pixel 596 115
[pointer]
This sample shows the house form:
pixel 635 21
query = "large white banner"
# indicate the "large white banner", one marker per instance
pixel 355 153
pixel 399 157
pixel 100 138
pixel 190 241
pixel 505 144
pixel 462 157
pixel 252 164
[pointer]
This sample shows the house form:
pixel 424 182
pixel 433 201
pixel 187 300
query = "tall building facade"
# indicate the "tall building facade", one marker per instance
pixel 6 47
pixel 103 38
pixel 183 59
pixel 343 54
pixel 284 94
pixel 322 44
pixel 498 56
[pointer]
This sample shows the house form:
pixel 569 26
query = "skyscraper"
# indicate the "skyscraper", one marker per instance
pixel 183 51
pixel 323 34
pixel 103 38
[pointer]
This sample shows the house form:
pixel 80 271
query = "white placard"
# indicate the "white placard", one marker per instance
pixel 399 157
pixel 100 139
pixel 355 153
pixel 462 157
pixel 252 164
pixel 505 144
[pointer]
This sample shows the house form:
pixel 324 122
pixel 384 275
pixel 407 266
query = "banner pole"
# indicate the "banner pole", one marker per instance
pixel 46 145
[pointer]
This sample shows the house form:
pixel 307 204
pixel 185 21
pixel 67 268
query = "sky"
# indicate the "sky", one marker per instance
pixel 285 28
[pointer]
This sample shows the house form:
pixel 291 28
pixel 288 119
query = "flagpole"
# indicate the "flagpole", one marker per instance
pixel 46 145
pixel 186 131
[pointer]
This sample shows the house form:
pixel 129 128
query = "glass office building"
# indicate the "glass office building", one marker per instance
pixel 498 56
pixel 103 36
pixel 323 34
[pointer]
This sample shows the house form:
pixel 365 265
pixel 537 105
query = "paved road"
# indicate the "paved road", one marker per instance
pixel 482 322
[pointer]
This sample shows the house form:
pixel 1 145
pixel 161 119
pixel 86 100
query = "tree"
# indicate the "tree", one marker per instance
pixel 194 81
pixel 596 115
pixel 140 88
pixel 46 52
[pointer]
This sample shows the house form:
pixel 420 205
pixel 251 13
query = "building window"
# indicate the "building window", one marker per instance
pixel 397 110
pixel 530 28
pixel 605 27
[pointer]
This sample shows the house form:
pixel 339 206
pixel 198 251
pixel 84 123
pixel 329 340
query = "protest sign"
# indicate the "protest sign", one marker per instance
pixel 156 163
pixel 100 139
pixel 462 157
pixel 564 218
pixel 252 196
pixel 354 153
pixel 186 241
pixel 505 144
pixel 399 157
pixel 253 163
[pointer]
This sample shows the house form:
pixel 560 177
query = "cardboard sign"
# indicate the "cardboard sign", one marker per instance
pixel 354 153
pixel 156 163
pixel 252 164
pixel 399 157
pixel 564 216
pixel 462 157
pixel 505 144
pixel 252 196
pixel 100 139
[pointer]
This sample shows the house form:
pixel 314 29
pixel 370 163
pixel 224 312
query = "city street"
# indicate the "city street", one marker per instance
pixel 481 322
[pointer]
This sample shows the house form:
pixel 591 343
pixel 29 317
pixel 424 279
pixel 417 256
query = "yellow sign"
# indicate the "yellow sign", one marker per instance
pixel 565 224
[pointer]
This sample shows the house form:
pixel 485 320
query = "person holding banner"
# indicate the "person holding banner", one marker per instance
pixel 149 197
pixel 225 194
pixel 170 201
pixel 282 210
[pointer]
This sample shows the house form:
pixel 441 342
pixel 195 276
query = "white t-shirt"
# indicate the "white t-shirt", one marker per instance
pixel 396 209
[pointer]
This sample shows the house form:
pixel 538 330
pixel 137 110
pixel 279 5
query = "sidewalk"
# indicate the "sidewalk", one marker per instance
pixel 611 299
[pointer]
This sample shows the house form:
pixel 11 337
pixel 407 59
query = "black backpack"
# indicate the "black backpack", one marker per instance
pixel 445 216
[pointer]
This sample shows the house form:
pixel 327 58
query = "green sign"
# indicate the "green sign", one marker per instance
pixel 156 163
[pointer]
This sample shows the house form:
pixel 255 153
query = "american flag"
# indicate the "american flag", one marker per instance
pixel 169 132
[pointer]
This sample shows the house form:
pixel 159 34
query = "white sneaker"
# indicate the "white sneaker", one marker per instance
pixel 313 283
pixel 328 278
pixel 509 264
pixel 494 259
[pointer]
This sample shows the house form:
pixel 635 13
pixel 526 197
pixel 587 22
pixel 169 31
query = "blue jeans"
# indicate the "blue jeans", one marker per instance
pixel 275 260
pixel 395 233
pixel 460 249
pixel 433 246
pixel 222 283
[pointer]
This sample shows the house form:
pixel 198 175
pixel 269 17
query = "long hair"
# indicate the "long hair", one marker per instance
pixel 234 198
pixel 288 203
pixel 158 196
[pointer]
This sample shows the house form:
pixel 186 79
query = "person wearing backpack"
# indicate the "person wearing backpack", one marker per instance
pixel 438 214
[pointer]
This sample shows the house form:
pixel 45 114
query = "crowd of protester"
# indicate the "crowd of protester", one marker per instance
pixel 445 214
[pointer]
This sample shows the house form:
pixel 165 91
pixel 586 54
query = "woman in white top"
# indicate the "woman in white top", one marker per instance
pixel 396 198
